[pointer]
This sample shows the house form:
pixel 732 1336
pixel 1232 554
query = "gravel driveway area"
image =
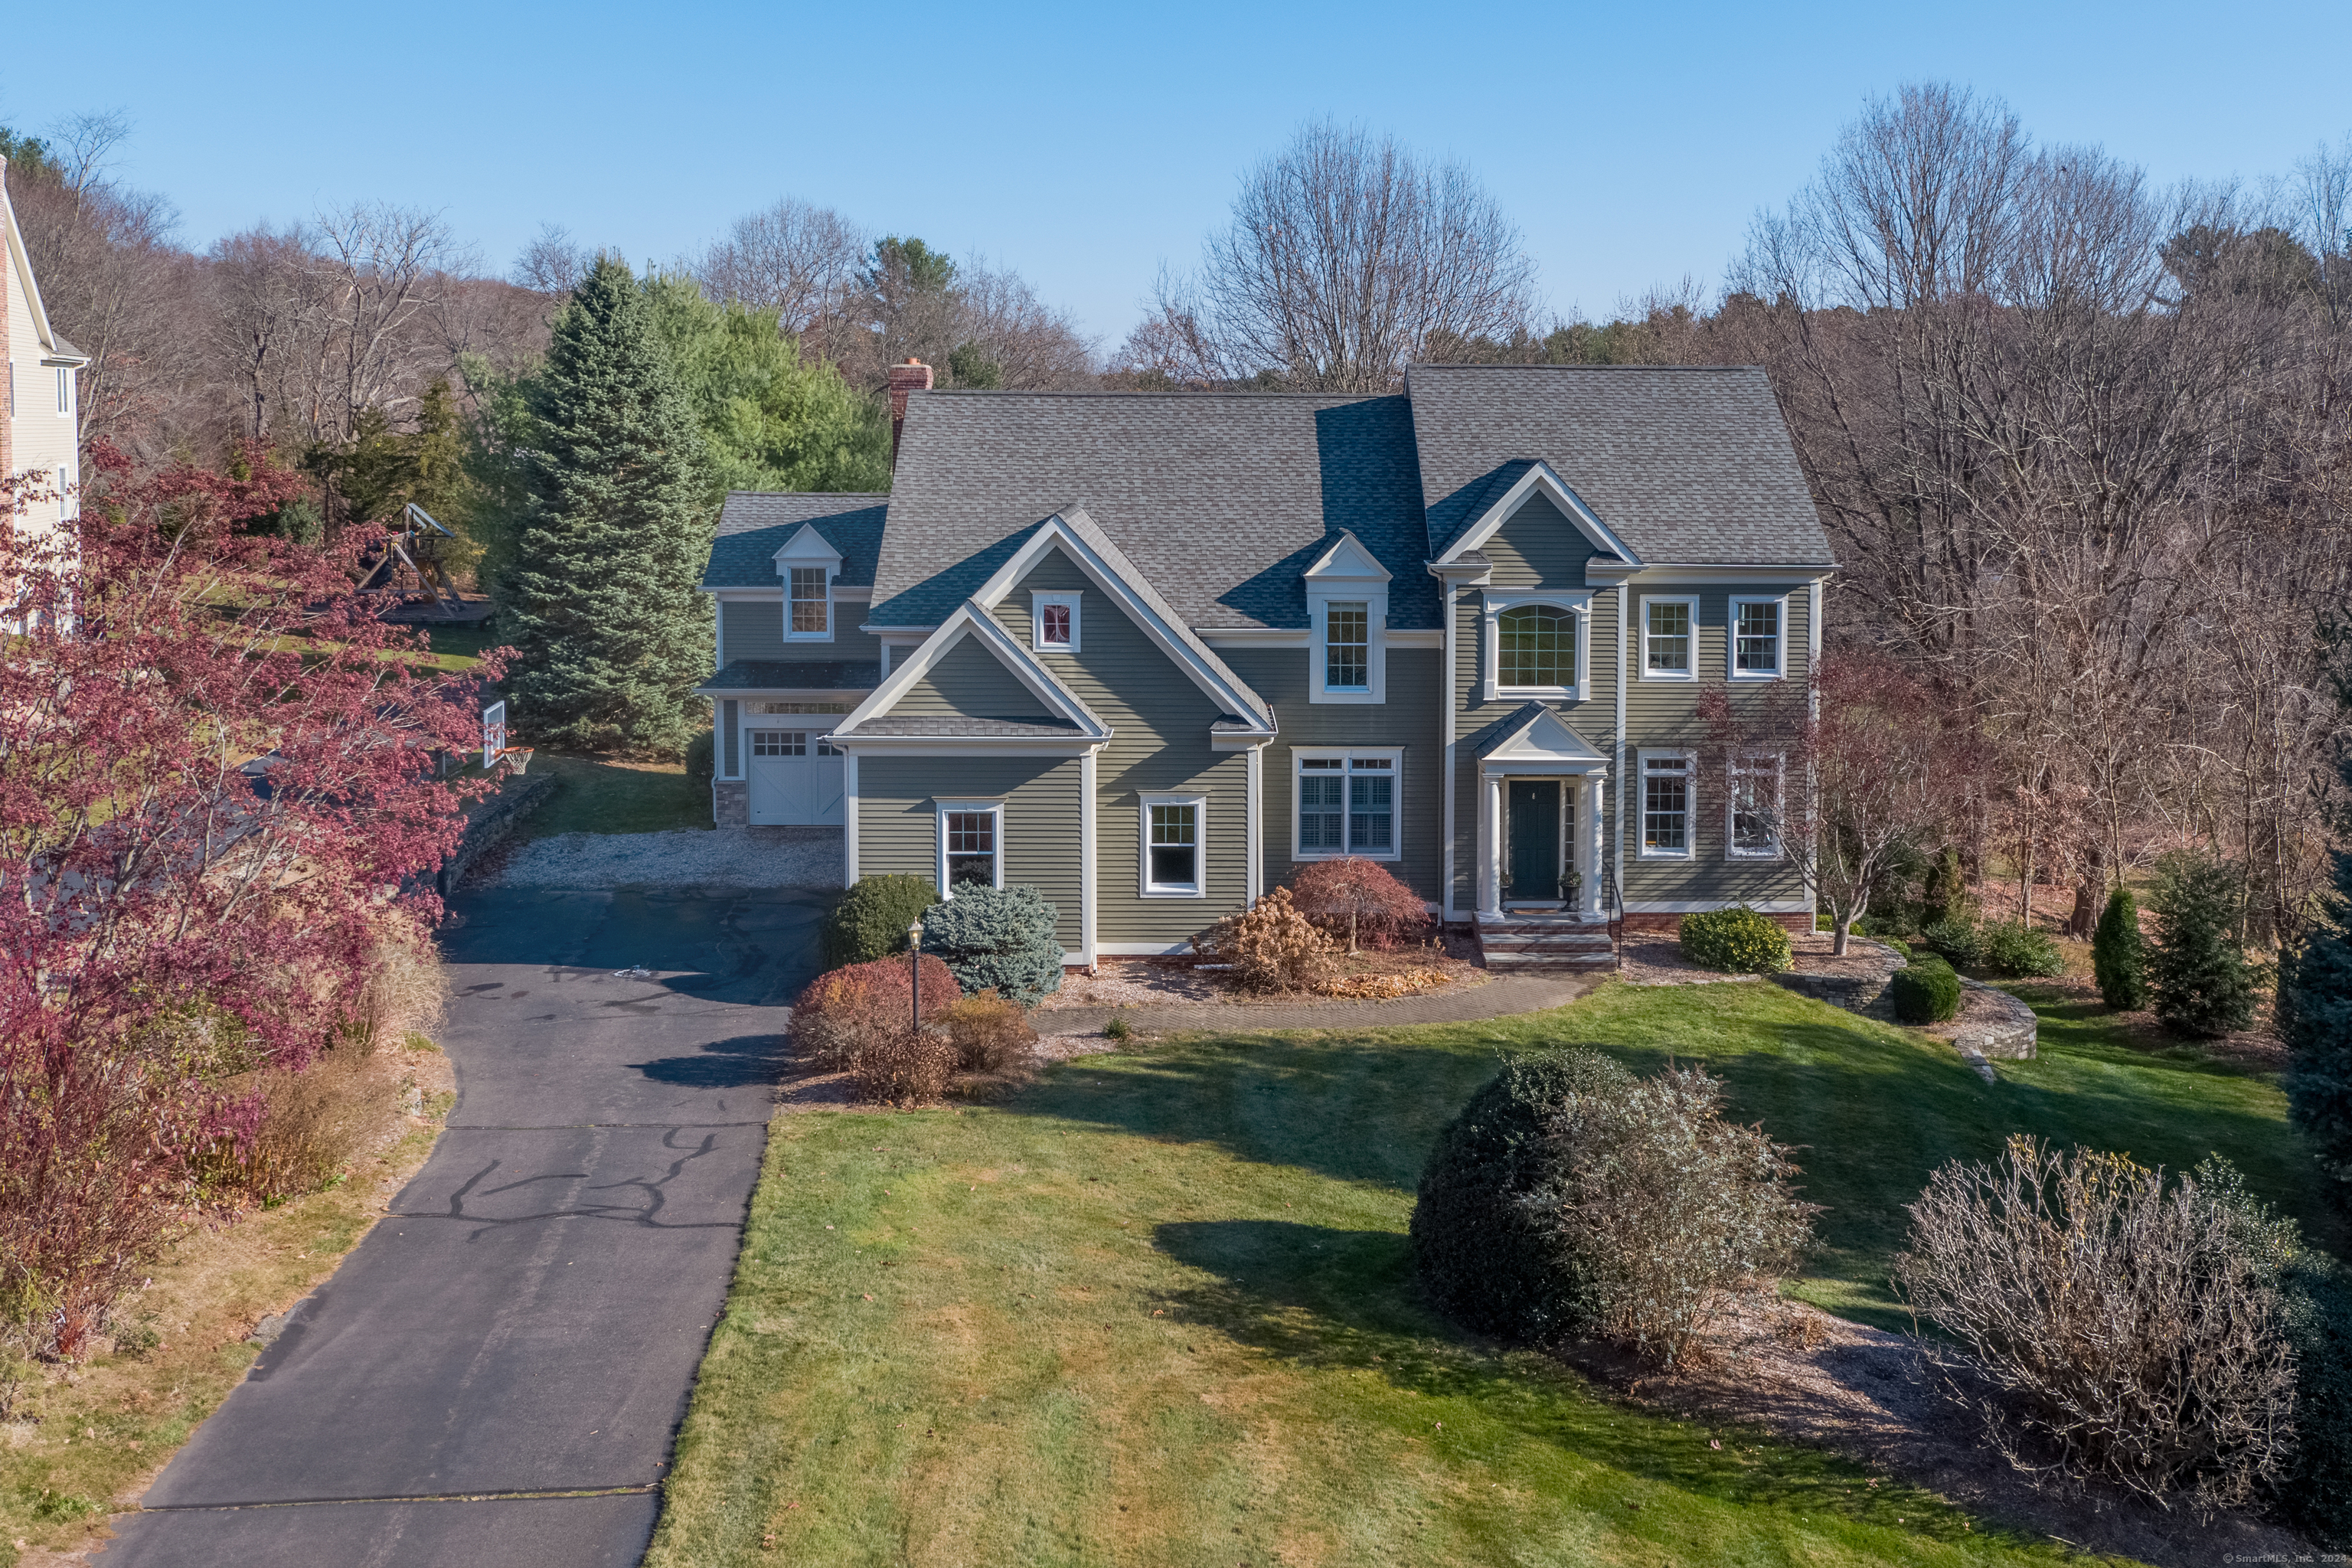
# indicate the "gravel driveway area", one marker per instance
pixel 719 857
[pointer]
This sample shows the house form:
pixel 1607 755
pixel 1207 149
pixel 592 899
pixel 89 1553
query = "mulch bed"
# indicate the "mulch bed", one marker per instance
pixel 1178 980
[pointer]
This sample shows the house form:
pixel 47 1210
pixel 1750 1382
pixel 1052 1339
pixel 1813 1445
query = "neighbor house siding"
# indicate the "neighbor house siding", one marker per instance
pixel 897 824
pixel 1539 547
pixel 1408 718
pixel 1160 745
pixel 754 628
pixel 969 680
pixel 1663 714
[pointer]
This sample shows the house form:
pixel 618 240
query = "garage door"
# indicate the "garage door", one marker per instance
pixel 795 779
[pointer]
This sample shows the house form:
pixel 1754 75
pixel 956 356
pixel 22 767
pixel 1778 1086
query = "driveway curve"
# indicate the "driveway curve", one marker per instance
pixel 495 1374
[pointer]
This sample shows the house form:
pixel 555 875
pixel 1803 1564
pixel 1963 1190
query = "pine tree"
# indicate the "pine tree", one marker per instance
pixel 2118 955
pixel 597 592
pixel 2197 978
pixel 2314 1019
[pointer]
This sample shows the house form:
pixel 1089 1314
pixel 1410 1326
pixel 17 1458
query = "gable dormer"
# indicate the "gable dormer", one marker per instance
pixel 1347 612
pixel 807 565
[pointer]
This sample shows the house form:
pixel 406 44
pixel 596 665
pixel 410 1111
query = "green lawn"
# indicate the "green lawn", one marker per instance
pixel 604 795
pixel 1156 1310
pixel 457 649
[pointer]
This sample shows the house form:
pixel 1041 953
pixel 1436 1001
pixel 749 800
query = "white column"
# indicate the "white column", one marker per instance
pixel 1255 882
pixel 849 820
pixel 1596 794
pixel 1490 843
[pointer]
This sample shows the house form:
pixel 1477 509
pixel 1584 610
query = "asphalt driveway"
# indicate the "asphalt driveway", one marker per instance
pixel 495 1374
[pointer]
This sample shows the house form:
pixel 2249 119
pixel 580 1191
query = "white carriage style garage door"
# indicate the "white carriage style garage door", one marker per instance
pixel 795 779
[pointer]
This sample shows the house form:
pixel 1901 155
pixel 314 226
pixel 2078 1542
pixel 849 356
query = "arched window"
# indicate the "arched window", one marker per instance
pixel 1535 645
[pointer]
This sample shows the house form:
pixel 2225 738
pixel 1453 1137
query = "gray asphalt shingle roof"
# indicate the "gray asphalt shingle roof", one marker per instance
pixel 953 724
pixel 1683 464
pixel 1221 500
pixel 754 525
pixel 797 675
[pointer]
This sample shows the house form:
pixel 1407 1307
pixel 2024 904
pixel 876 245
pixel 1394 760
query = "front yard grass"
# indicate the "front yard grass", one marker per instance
pixel 607 795
pixel 1158 1308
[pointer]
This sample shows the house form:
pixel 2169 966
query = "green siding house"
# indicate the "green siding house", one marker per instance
pixel 1152 653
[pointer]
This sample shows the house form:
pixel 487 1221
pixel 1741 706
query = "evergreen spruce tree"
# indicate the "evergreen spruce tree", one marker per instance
pixel 2118 955
pixel 596 590
pixel 2197 978
pixel 2314 1019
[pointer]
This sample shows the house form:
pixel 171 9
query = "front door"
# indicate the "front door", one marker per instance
pixel 1533 861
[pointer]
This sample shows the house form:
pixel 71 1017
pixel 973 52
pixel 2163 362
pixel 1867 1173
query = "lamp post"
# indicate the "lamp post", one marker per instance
pixel 915 970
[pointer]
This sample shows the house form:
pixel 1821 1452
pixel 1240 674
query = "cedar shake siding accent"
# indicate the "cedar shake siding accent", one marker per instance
pixel 1159 745
pixel 752 628
pixel 898 821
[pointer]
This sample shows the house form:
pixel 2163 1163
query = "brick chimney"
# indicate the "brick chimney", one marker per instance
pixel 912 376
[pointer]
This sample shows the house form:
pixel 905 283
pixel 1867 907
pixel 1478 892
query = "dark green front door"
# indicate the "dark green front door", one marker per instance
pixel 1534 861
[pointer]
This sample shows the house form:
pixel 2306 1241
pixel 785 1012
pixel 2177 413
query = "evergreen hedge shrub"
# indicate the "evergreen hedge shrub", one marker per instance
pixel 2315 1310
pixel 2013 947
pixel 1483 1254
pixel 702 758
pixel 2198 980
pixel 1958 938
pixel 1738 941
pixel 2118 955
pixel 1944 890
pixel 870 920
pixel 1926 991
pixel 999 939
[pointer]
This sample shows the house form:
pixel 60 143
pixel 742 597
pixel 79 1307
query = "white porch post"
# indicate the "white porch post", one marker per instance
pixel 1596 793
pixel 1490 843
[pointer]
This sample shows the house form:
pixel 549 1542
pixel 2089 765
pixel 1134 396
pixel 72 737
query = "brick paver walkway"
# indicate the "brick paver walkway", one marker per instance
pixel 1499 997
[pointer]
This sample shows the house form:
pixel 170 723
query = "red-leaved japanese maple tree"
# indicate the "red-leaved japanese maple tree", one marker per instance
pixel 218 787
pixel 1835 775
pixel 1362 895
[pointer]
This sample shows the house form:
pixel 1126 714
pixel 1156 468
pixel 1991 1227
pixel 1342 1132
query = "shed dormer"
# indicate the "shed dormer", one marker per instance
pixel 1347 608
pixel 807 565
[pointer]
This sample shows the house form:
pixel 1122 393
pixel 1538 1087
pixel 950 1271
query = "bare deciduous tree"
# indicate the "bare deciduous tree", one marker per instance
pixel 792 257
pixel 1346 256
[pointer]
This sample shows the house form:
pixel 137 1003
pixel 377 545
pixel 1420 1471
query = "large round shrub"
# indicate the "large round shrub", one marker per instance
pixel 845 1010
pixel 2013 947
pixel 1486 1256
pixel 1926 991
pixel 1738 941
pixel 1959 939
pixel 999 939
pixel 870 920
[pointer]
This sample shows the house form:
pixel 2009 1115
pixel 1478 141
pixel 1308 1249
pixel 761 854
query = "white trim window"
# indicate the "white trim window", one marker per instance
pixel 1054 621
pixel 1667 787
pixel 1670 639
pixel 65 390
pixel 1752 801
pixel 1347 803
pixel 1758 632
pixel 790 744
pixel 1538 644
pixel 808 607
pixel 1347 646
pixel 972 844
pixel 1173 842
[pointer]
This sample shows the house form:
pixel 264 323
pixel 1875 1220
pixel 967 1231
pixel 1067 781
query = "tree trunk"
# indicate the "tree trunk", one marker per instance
pixel 2090 889
pixel 1838 921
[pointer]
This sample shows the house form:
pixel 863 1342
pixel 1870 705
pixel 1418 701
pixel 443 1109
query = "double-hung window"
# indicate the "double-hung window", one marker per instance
pixel 972 844
pixel 811 609
pixel 1753 802
pixel 1347 646
pixel 1666 804
pixel 1173 835
pixel 1668 635
pixel 1757 627
pixel 1348 804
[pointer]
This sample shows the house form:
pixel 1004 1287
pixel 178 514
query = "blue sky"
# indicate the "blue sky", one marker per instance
pixel 1085 145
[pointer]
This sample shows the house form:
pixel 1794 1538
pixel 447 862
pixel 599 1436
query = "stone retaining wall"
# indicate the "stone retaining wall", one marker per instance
pixel 494 822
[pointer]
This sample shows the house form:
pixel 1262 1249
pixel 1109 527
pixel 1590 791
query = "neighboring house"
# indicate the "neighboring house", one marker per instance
pixel 1154 652
pixel 37 432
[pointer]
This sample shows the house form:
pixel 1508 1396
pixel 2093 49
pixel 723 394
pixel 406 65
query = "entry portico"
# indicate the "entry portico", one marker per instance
pixel 1543 795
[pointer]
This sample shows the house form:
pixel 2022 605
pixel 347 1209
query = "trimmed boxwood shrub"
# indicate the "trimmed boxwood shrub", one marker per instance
pixel 1485 1256
pixel 1738 941
pixel 870 920
pixel 999 939
pixel 1926 991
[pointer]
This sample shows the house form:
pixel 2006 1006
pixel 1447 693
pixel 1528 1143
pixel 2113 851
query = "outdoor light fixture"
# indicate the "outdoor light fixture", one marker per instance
pixel 915 970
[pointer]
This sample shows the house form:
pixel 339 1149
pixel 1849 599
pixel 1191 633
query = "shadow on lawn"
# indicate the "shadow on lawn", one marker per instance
pixel 1331 1298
